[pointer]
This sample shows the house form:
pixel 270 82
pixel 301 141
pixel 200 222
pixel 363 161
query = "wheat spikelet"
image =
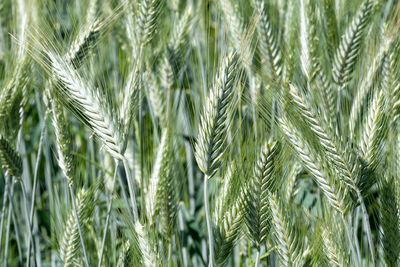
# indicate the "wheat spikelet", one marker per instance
pixel 87 105
pixel 160 170
pixel 167 203
pixel 240 38
pixel 146 21
pixel 69 243
pixel 349 47
pixel 267 42
pixel 83 44
pixel 149 255
pixel 227 230
pixel 262 183
pixel 308 41
pixel 335 156
pixel 366 85
pixel 64 158
pixel 291 180
pixel 331 25
pixel 374 132
pixel 214 121
pixel 10 161
pixel 11 92
pixel 332 250
pixel 286 238
pixel 130 104
pixel 167 82
pixel 396 103
pixel 393 85
pixel 389 220
pixel 179 33
pixel 156 97
pixel 328 95
pixel 122 259
pixel 312 164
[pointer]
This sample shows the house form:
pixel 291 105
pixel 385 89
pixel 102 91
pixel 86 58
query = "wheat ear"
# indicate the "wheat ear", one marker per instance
pixel 214 120
pixel 63 145
pixel 333 251
pixel 87 38
pixel 312 164
pixel 9 159
pixel 150 257
pixel 366 85
pixel 268 42
pixel 228 221
pixel 335 156
pixel 69 243
pixel 262 183
pixel 389 220
pixel 159 170
pixel 87 105
pixel 287 240
pixel 146 21
pixel 374 132
pixel 212 133
pixel 349 47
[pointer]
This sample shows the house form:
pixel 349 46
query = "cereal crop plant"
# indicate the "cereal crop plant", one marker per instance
pixel 199 133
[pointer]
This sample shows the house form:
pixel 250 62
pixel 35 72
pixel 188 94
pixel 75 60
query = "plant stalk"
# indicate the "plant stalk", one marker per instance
pixel 257 258
pixel 30 238
pixel 108 215
pixel 354 252
pixel 3 211
pixel 131 190
pixel 209 223
pixel 35 178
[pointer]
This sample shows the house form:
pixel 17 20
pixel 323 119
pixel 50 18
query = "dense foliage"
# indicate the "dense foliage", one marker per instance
pixel 199 133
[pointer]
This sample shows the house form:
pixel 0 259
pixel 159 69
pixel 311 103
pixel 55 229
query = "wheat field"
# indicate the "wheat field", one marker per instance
pixel 199 133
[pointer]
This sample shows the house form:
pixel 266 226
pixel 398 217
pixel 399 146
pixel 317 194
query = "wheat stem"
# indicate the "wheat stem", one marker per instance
pixel 131 190
pixel 108 215
pixel 11 212
pixel 354 251
pixel 5 196
pixel 367 226
pixel 35 178
pixel 30 239
pixel 209 223
pixel 257 258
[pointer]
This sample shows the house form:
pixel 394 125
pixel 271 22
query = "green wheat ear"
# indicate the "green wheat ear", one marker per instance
pixel 389 220
pixel 268 45
pixel 263 182
pixel 69 243
pixel 9 159
pixel 349 48
pixel 214 121
pixel 228 215
pixel 287 237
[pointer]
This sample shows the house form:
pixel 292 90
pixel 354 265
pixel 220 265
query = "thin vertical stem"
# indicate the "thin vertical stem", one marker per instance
pixel 131 190
pixel 7 234
pixel 257 258
pixel 354 252
pixel 35 178
pixel 367 227
pixel 30 239
pixel 11 209
pixel 209 223
pixel 108 214
pixel 5 196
